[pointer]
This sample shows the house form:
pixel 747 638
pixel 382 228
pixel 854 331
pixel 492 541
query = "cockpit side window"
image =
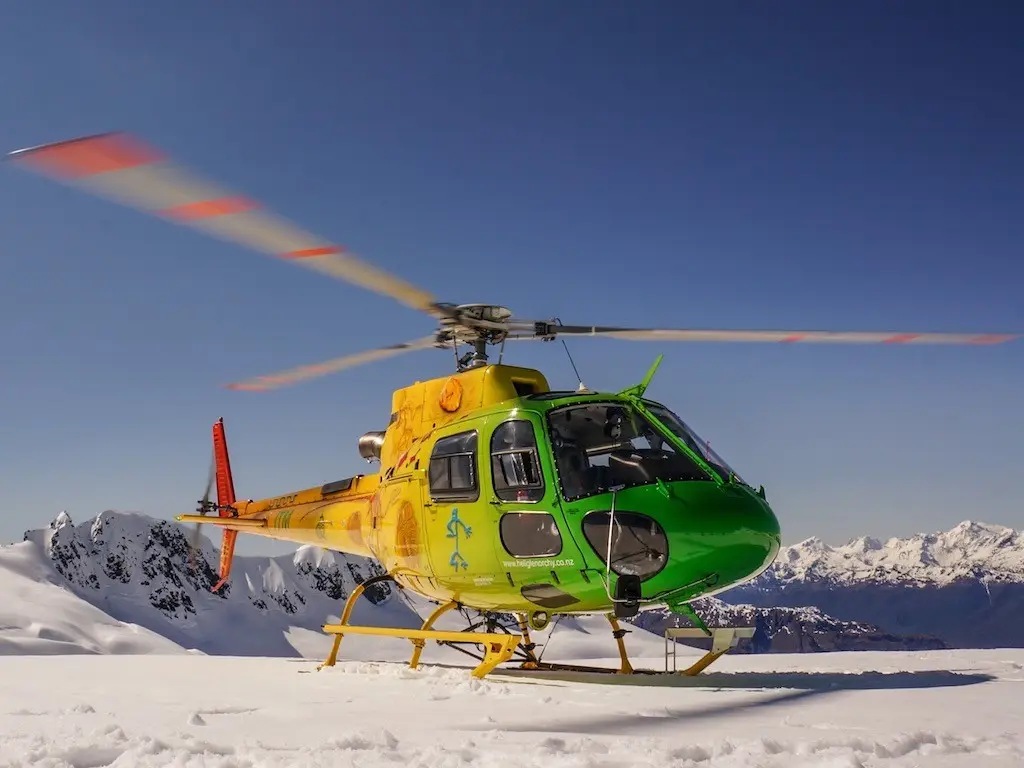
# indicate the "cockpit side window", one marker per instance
pixel 515 466
pixel 452 475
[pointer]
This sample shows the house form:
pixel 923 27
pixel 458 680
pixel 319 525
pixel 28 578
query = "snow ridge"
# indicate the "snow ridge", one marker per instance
pixel 970 551
pixel 138 570
pixel 964 586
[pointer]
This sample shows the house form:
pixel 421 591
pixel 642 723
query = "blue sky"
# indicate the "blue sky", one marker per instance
pixel 855 166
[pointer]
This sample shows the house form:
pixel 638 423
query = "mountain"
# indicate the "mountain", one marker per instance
pixel 39 615
pixel 789 630
pixel 964 586
pixel 136 571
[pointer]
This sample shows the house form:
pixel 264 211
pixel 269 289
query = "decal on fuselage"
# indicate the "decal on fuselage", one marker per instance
pixel 281 501
pixel 283 519
pixel 540 563
pixel 455 527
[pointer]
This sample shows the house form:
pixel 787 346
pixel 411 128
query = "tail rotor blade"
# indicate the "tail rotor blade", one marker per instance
pixel 203 508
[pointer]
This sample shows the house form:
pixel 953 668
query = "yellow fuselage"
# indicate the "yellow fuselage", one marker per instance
pixel 389 515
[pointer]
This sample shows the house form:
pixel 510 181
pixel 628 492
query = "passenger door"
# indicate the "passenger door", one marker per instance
pixel 534 547
pixel 454 511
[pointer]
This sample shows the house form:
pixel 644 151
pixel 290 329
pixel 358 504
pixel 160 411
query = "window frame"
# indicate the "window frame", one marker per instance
pixel 469 493
pixel 533 450
pixel 527 513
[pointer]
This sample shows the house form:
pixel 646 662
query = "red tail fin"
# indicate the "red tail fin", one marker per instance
pixel 225 500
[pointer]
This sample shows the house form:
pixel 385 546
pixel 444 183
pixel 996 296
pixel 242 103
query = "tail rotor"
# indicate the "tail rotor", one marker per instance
pixel 203 507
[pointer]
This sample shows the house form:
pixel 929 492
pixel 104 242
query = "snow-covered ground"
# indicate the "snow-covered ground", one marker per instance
pixel 98 622
pixel 844 710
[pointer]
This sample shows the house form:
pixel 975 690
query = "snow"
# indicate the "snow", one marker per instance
pixel 39 616
pixel 970 550
pixel 86 684
pixel 848 710
pixel 134 570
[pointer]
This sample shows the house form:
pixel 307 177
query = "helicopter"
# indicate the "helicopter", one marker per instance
pixel 494 493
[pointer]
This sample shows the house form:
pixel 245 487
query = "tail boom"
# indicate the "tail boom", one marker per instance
pixel 340 521
pixel 335 515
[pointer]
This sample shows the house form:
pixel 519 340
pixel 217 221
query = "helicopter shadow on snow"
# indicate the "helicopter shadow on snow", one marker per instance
pixel 783 688
pixel 767 681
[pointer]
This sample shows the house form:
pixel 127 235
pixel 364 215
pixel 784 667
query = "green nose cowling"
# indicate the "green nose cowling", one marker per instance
pixel 729 532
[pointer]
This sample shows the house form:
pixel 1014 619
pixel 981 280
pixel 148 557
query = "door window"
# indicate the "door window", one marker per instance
pixel 515 466
pixel 452 474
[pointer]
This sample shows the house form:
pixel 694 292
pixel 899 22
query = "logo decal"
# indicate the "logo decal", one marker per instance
pixel 457 561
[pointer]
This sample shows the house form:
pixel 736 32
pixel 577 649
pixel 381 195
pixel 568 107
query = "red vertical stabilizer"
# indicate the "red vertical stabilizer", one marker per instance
pixel 225 500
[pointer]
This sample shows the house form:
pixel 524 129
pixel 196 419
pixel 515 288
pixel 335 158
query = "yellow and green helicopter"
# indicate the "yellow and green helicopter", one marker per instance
pixel 494 493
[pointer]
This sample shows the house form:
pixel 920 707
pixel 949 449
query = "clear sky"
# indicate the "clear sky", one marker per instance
pixel 843 166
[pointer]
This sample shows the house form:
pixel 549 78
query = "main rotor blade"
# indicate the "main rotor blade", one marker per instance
pixel 830 337
pixel 120 167
pixel 305 372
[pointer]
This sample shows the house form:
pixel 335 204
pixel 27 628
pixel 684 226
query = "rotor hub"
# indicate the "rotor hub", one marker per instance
pixel 470 322
pixel 475 324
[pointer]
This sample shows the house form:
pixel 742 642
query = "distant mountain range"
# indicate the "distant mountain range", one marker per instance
pixel 964 586
pixel 122 582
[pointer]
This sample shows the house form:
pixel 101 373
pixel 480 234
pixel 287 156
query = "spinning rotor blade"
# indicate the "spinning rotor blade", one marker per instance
pixel 829 337
pixel 304 372
pixel 193 544
pixel 118 166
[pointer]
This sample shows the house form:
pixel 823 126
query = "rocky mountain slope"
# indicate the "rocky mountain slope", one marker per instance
pixel 789 630
pixel 137 570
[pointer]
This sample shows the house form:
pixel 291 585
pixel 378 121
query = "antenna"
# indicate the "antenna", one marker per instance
pixel 582 387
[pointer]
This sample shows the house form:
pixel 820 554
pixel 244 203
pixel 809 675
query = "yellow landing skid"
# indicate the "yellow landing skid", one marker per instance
pixel 497 648
pixel 723 639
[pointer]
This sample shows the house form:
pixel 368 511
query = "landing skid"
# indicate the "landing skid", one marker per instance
pixel 497 648
pixel 500 647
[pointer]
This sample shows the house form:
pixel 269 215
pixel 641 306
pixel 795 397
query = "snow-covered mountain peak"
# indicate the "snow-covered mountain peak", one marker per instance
pixel 141 570
pixel 864 544
pixel 969 550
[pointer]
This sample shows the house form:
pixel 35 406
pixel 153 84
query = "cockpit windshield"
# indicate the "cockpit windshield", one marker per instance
pixel 702 448
pixel 600 446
